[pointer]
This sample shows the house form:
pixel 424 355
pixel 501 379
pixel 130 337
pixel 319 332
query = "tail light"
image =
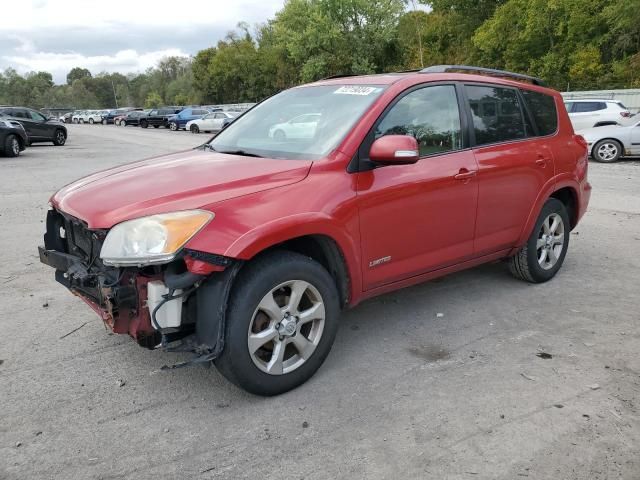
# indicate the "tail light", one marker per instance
pixel 625 114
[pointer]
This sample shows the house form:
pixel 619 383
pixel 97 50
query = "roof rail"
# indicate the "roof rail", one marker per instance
pixel 483 71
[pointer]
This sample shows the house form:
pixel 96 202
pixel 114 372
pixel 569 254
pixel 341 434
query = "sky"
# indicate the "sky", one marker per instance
pixel 116 35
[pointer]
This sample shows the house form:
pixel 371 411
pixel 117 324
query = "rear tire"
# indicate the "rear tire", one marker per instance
pixel 261 312
pixel 156 126
pixel 173 126
pixel 144 123
pixel 542 256
pixel 11 146
pixel 607 151
pixel 91 121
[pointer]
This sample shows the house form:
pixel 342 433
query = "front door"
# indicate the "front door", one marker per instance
pixel 421 217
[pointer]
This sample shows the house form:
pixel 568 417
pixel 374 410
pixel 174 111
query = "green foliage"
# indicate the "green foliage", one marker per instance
pixel 153 100
pixel 576 44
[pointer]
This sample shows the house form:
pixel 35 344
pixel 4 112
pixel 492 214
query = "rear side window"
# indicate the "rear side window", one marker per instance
pixel 581 107
pixel 497 114
pixel 543 109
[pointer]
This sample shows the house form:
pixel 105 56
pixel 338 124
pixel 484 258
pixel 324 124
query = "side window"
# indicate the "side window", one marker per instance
pixel 497 114
pixel 582 107
pixel 153 112
pixel 36 116
pixel 19 113
pixel 543 109
pixel 429 114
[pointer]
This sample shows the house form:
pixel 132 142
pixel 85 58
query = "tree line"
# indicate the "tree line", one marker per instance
pixel 572 44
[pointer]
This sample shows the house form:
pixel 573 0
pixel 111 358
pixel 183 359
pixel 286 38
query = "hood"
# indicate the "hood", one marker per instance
pixel 180 181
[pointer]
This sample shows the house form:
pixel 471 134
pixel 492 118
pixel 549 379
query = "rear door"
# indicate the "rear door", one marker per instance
pixel 514 164
pixel 421 217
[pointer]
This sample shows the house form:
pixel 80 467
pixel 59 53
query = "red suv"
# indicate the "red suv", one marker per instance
pixel 244 250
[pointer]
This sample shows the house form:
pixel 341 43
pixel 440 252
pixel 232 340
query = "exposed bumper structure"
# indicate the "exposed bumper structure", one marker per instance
pixel 156 305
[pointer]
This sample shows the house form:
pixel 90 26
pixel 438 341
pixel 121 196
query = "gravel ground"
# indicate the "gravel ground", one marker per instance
pixel 405 393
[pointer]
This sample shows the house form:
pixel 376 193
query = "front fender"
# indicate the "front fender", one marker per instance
pixel 294 226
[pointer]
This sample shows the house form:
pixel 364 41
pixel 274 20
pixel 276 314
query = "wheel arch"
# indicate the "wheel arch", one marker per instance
pixel 567 192
pixel 324 250
pixel 316 236
pixel 610 138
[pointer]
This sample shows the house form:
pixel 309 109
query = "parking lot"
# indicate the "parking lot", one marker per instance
pixel 445 380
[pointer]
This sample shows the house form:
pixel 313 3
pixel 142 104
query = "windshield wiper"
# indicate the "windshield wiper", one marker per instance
pixel 208 146
pixel 241 152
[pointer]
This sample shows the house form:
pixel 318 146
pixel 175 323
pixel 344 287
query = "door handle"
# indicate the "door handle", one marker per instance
pixel 465 174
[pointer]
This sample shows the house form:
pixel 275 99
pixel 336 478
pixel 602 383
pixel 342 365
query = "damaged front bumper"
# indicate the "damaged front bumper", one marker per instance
pixel 179 306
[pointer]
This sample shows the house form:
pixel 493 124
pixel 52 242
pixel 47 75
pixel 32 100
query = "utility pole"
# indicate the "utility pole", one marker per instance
pixel 114 93
pixel 413 3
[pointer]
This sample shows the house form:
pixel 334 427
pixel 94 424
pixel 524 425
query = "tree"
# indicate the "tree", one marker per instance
pixel 77 73
pixel 153 100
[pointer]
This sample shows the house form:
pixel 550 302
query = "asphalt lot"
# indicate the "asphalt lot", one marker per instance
pixel 406 393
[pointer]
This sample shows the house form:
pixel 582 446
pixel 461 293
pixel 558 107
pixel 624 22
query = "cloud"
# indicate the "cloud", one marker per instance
pixel 119 35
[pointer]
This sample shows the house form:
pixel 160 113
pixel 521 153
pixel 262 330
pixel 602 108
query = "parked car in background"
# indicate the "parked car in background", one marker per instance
pixel 245 249
pixel 179 120
pixel 212 122
pixel 91 116
pixel 609 143
pixel 13 137
pixel 595 113
pixel 133 118
pixel 159 117
pixel 39 128
pixel 111 115
pixel 302 126
pixel 75 118
pixel 66 118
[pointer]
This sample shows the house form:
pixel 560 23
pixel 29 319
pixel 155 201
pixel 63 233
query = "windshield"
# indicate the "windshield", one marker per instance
pixel 303 123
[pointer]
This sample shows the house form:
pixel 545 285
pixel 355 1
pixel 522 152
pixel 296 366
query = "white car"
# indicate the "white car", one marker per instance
pixel 609 143
pixel 302 126
pixel 213 122
pixel 595 113
pixel 90 116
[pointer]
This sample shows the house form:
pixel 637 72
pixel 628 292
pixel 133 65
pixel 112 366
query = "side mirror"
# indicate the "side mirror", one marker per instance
pixel 395 150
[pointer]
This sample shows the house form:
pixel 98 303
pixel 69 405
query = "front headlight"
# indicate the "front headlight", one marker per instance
pixel 152 240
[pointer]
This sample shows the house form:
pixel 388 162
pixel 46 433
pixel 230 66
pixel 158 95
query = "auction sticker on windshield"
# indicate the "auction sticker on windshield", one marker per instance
pixel 356 90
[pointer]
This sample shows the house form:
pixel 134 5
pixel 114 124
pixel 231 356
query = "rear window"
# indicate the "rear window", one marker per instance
pixel 543 109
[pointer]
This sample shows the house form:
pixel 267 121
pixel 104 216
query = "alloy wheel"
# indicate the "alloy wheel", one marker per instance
pixel 608 151
pixel 15 146
pixel 60 138
pixel 286 327
pixel 550 241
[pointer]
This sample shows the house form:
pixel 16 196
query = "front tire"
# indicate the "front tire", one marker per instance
pixel 144 123
pixel 195 129
pixel 11 146
pixel 542 256
pixel 282 319
pixel 59 138
pixel 607 151
pixel 91 121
